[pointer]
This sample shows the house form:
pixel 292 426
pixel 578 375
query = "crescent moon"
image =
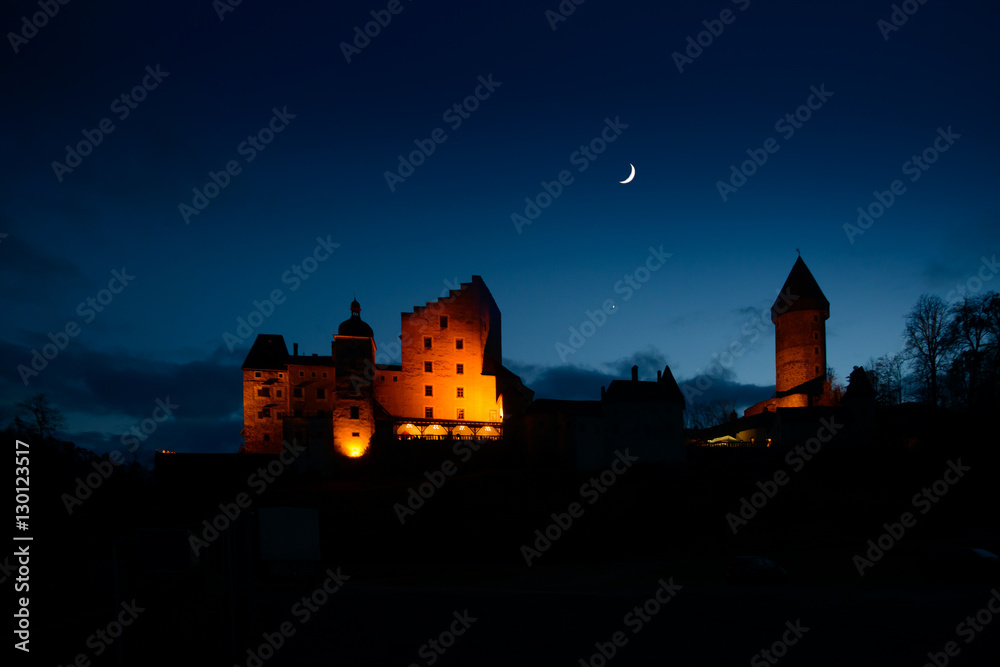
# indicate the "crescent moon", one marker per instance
pixel 630 176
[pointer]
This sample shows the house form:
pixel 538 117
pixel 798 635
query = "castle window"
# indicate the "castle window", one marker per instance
pixel 264 392
pixel 324 374
pixel 281 415
pixel 444 321
pixel 461 413
pixel 257 374
pixel 281 375
pixel 459 344
pixel 428 390
pixel 427 342
pixel 395 378
pixel 355 434
pixel 428 413
pixel 459 392
pixel 815 318
pixel 301 374
pixel 260 415
pixel 816 336
pixel 355 412
pixel 381 378
pixel 266 412
pixel 817 370
pixel 297 392
pixel 267 437
pixel 428 366
pixel 816 350
pixel 459 369
pixel 321 393
pixel 278 392
pixel 314 374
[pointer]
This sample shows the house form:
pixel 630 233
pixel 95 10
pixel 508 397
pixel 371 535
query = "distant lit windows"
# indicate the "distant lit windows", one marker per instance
pixel 461 413
pixel 264 392
pixel 355 412
pixel 297 392
pixel 321 393
pixel 459 392
pixel 427 342
pixel 459 369
pixel 428 390
pixel 459 344
pixel 493 415
pixel 428 366
pixel 428 413
pixel 444 321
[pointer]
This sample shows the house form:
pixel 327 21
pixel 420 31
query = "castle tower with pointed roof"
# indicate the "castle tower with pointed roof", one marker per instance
pixel 799 315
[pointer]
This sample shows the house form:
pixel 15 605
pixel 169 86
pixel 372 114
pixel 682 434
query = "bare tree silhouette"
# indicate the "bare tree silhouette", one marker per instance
pixel 928 343
pixel 46 416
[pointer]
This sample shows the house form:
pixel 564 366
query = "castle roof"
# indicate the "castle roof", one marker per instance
pixel 636 391
pixel 800 292
pixel 355 326
pixel 269 352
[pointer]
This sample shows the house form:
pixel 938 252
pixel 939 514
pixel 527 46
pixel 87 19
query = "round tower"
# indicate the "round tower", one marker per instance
pixel 799 315
pixel 354 404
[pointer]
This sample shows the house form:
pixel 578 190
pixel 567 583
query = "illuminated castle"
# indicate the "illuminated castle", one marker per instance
pixel 451 382
pixel 799 315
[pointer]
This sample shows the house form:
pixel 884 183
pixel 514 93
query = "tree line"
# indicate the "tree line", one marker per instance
pixel 950 356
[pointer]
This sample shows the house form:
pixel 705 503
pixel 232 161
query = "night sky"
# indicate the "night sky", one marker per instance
pixel 266 91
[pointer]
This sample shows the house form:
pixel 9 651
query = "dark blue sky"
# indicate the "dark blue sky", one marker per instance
pixel 342 126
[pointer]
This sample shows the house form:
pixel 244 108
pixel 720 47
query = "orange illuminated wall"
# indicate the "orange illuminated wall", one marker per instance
pixel 799 348
pixel 263 403
pixel 353 410
pixel 453 347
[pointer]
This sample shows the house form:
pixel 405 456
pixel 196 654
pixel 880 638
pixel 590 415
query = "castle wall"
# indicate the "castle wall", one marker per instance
pixel 772 404
pixel 471 317
pixel 261 425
